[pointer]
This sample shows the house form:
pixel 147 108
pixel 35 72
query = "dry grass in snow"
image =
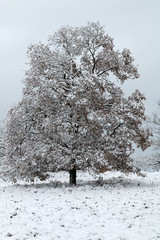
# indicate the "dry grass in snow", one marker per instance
pixel 119 208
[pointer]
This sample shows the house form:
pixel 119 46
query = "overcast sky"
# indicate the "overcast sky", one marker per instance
pixel 134 24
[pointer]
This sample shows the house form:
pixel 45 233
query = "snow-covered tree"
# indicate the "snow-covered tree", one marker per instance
pixel 153 160
pixel 73 115
pixel 2 150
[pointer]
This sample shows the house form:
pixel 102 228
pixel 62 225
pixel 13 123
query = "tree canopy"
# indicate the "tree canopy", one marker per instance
pixel 72 114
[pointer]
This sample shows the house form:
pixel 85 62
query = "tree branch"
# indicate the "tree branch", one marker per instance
pixel 114 130
pixel 106 70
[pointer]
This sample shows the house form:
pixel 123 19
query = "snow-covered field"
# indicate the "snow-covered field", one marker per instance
pixel 123 207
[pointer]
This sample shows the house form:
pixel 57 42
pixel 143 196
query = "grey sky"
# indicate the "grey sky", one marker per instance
pixel 133 24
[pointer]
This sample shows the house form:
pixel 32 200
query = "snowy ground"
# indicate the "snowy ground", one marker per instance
pixel 122 208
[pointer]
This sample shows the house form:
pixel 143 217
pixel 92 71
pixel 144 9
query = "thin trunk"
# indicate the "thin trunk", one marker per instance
pixel 72 177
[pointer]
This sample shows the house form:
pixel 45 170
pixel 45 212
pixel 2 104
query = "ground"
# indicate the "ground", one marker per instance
pixel 119 208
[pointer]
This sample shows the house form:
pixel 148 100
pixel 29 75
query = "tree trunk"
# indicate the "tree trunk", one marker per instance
pixel 72 177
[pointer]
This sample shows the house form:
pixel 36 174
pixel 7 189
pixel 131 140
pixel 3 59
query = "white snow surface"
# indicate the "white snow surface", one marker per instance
pixel 119 208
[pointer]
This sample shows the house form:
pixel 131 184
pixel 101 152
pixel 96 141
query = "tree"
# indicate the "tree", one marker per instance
pixel 2 147
pixel 153 160
pixel 72 115
pixel 1 143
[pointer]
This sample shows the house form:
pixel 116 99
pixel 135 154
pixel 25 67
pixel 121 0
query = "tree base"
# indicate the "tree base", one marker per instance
pixel 72 177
